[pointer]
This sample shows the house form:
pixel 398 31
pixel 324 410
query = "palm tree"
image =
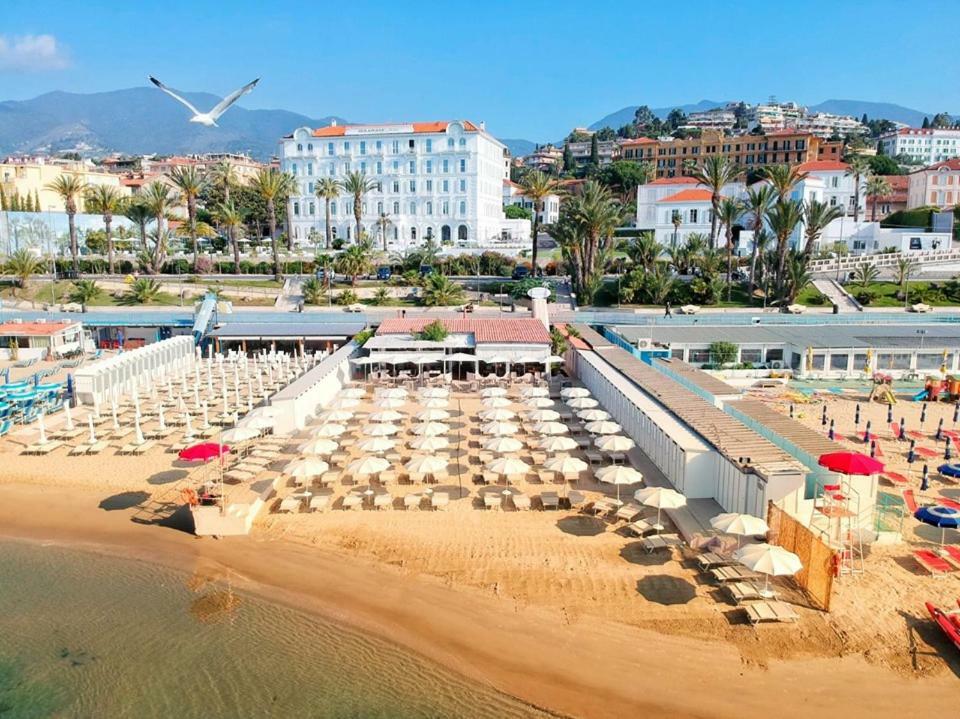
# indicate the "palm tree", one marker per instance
pixel 312 290
pixel 676 220
pixel 865 275
pixel 229 215
pixel 715 172
pixel 106 201
pixel 70 188
pixel 816 216
pixel 137 212
pixel 84 292
pixel 644 250
pixel 22 265
pixel 783 219
pixel 759 199
pixel 160 200
pixel 761 240
pixel 224 176
pixel 328 190
pixel 440 291
pixel 859 168
pixel 877 187
pixel 730 211
pixel 354 261
pixel 536 186
pixel 797 275
pixel 191 183
pixel 783 178
pixel 143 290
pixel 273 185
pixel 358 184
pixel 904 269
pixel 384 223
pixel 660 284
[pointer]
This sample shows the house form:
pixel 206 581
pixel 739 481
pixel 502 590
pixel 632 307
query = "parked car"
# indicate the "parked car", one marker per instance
pixel 426 270
pixel 520 272
pixel 384 273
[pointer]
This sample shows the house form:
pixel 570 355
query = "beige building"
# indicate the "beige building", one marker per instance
pixel 30 176
pixel 937 185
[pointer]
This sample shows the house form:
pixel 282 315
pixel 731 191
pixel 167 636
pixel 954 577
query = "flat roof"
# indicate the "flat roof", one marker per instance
pixel 484 330
pixel 34 329
pixel 705 381
pixel 252 330
pixel 733 439
pixel 935 337
pixel 798 434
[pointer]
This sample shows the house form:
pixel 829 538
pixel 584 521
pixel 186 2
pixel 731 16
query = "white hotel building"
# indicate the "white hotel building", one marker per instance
pixel 440 180
pixel 924 145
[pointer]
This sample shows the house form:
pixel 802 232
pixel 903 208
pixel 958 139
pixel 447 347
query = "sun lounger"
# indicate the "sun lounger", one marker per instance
pixel 387 477
pixel 550 500
pixel 951 553
pixel 895 478
pixel 237 475
pixel 78 450
pixel 576 499
pixel 774 611
pixel 545 476
pixel 605 506
pixel 136 448
pixel 521 502
pixel 412 501
pixel 329 478
pixel 744 591
pixel 733 573
pixel 661 541
pixel 593 456
pixel 710 560
pixel 258 461
pixel 491 501
pixel 629 512
pixel 320 502
pixel 642 527
pixel 416 477
pixel 291 504
pixel 933 562
pixel 490 477
pixel 439 500
pixel 944 502
pixel 910 501
pixel 353 501
pixel 384 500
pixel 45 448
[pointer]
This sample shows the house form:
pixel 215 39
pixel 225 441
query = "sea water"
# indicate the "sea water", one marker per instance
pixel 84 635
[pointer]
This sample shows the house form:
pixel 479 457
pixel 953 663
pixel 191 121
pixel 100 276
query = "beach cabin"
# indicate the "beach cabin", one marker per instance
pixel 39 339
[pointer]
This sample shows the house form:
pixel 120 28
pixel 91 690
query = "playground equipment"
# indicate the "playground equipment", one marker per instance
pixel 882 389
pixel 936 389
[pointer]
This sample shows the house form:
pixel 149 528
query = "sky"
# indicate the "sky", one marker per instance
pixel 530 70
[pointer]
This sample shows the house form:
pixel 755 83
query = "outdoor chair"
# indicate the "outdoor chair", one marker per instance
pixel 320 502
pixel 759 612
pixel 491 501
pixel 383 501
pixel 741 592
pixel 521 502
pixel 550 500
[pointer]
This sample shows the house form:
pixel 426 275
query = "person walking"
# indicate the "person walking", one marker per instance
pixel 666 310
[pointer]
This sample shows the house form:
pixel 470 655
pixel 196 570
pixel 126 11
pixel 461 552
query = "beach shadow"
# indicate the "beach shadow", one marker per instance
pixel 260 485
pixel 455 491
pixel 928 631
pixel 582 526
pixel 636 554
pixel 179 519
pixel 123 500
pixel 666 589
pixel 171 475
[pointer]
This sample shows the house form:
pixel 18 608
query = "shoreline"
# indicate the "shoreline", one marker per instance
pixel 534 654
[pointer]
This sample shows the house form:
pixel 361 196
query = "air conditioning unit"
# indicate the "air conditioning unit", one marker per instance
pixel 776 364
pixel 644 344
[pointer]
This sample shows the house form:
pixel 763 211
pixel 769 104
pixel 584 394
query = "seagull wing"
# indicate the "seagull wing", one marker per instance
pixel 231 98
pixel 174 95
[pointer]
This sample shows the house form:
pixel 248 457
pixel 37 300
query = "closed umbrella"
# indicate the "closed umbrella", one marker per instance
pixel 68 419
pixel 550 428
pixel 661 498
pixel 503 444
pixel 497 415
pixel 93 434
pixel 306 467
pixel 43 429
pixel 543 415
pixel 366 466
pixel 557 443
pixel 582 403
pixel 539 402
pixel 740 525
pixel 433 415
pixel 382 429
pixel 430 429
pixel 619 475
pixel 499 428
pixel 161 422
pixel 329 430
pixel 602 427
pixel 377 444
pixel 187 426
pixel 535 392
pixel 493 392
pixel 386 415
pixel 508 466
pixel 593 415
pixel 565 464
pixel 138 437
pixel 430 444
pixel 572 392
pixel 770 560
pixel 319 446
pixel 614 443
pixel 426 464
pixel 391 403
pixel 336 415
pixel 495 402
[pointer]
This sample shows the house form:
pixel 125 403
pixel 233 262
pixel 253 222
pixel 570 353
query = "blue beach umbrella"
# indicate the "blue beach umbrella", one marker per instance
pixel 956 412
pixel 856 416
pixel 943 517
pixel 939 434
pixel 873 449
pixel 923 415
pixel 925 479
pixel 866 432
pixel 950 470
pixel 889 413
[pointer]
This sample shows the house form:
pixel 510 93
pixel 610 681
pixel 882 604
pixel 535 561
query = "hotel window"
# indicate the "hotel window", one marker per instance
pixel 413 208
pixel 333 209
pixel 411 145
pixel 396 185
pixel 363 167
pixel 413 167
pixel 396 146
pixel 396 208
pixel 396 233
pixel 463 142
pixel 346 146
pixel 363 208
pixel 446 166
pixel 429 208
pixel 701 356
pixel 429 185
pixel 379 208
pixel 838 362
pixel 429 167
pixel 463 185
pixel 309 188
pixel 429 145
pixel 313 209
pixel 333 170
pixel 445 207
pixel 296 208
pixel 347 208
pixel 309 169
pixel 329 148
pixel 463 208
pixel 413 185
pixel 346 167
pixel 379 168
pixel 293 168
pixel 379 145
pixel 413 233
pixel 446 186
pixel 309 147
pixel 693 217
pixel 396 166
pixel 363 147
pixel 449 143
pixel 299 147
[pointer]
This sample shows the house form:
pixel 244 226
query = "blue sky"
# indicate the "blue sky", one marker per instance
pixel 530 70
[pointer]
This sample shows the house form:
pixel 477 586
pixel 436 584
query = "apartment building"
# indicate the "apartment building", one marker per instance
pixel 718 119
pixel 31 176
pixel 676 207
pixel 440 181
pixel 937 185
pixel 922 145
pixel 607 151
pixel 513 195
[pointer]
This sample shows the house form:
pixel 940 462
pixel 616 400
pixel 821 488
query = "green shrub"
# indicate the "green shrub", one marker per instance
pixel 865 297
pixel 347 297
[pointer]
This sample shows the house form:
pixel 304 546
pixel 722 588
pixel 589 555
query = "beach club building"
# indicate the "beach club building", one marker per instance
pixel 40 340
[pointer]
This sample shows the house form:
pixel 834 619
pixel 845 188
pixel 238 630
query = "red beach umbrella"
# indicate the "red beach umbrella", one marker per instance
pixel 850 463
pixel 203 452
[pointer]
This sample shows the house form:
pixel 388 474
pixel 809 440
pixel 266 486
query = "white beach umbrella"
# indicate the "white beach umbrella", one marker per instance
pixel 539 402
pixel 430 444
pixel 550 428
pixel 571 392
pixel 161 419
pixel 582 403
pixel 503 444
pixel 260 422
pixel 430 429
pixel 395 403
pixel 336 415
pixel 770 560
pixel 499 428
pixel 433 415
pixel 206 416
pixel 353 392
pixel 557 443
pixel 615 443
pixel 661 498
pixel 436 402
pixel 236 435
pixel 565 464
pixel 382 429
pixel 543 415
pixel 196 397
pixel 593 415
pixel 343 403
pixel 394 392
pixel 602 427
pixel 495 402
pixel 306 467
pixel 619 475
pixel 426 464
pixel 116 419
pixel 535 392
pixel 434 392
pixel 386 415
pixel 90 425
pixel 493 392
pixel 740 525
pixel 187 426
pixel 68 419
pixel 321 446
pixel 329 430
pixel 377 444
pixel 496 415
pixel 366 466
pixel 138 437
pixel 41 423
pixel 508 466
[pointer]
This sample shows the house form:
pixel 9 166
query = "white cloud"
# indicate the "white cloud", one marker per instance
pixel 31 52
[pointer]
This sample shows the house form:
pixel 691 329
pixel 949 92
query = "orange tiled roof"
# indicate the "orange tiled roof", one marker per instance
pixel 36 329
pixel 823 166
pixel 674 181
pixel 952 164
pixel 526 331
pixel 689 196
pixel 418 127
pixel 639 141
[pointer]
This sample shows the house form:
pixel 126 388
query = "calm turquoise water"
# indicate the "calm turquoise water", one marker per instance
pixel 89 636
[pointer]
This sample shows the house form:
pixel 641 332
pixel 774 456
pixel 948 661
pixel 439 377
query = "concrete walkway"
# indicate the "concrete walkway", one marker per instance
pixel 290 296
pixel 836 294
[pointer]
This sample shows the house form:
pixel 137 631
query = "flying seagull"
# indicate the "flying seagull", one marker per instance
pixel 208 119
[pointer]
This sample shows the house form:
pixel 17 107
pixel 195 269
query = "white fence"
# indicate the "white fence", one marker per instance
pixel 884 259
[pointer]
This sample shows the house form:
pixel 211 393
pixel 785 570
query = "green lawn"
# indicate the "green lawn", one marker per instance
pixel 271 284
pixel 607 297
pixel 886 294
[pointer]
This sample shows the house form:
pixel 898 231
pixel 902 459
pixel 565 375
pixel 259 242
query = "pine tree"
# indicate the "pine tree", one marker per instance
pixel 569 164
pixel 594 151
pixel 926 123
pixel 3 200
pixel 15 202
pixel 36 201
pixel 863 119
pixel 28 203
